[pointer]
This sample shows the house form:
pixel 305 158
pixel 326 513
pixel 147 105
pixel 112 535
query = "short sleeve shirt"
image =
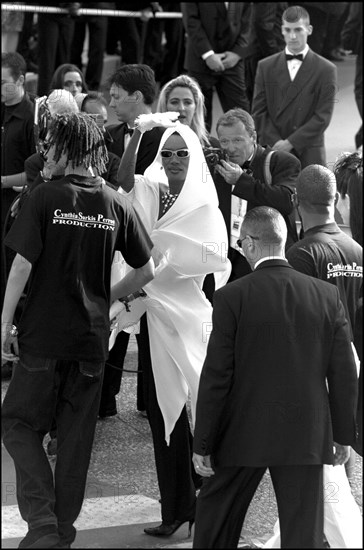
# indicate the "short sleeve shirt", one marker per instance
pixel 329 254
pixel 69 230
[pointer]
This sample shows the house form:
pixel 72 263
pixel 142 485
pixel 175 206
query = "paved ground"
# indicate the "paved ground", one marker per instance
pixel 122 492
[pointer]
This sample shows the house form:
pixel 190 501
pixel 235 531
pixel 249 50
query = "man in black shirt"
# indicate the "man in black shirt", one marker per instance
pixel 326 252
pixel 65 237
pixel 17 140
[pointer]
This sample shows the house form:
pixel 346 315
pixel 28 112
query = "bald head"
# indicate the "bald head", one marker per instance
pixel 266 224
pixel 263 234
pixel 316 187
pixel 60 102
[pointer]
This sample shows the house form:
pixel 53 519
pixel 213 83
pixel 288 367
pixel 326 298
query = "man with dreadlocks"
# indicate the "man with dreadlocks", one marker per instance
pixel 65 237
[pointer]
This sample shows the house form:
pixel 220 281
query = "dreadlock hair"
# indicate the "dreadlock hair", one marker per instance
pixel 78 136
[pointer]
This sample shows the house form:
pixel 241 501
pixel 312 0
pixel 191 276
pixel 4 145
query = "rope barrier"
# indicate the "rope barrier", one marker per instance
pixel 89 11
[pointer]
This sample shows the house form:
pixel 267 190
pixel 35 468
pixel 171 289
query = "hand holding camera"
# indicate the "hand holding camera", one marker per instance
pixel 230 171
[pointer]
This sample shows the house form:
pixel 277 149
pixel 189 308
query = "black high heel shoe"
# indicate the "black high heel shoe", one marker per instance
pixel 167 529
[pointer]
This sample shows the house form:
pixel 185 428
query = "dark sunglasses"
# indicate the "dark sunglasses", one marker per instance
pixel 181 153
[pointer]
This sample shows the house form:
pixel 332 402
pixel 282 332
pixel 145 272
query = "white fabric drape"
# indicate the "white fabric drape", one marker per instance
pixel 343 523
pixel 190 241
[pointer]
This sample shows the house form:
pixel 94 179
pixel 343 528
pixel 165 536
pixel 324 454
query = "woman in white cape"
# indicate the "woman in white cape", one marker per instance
pixel 177 202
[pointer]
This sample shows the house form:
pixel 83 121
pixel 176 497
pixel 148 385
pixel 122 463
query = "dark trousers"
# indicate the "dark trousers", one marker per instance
pixel 173 461
pixel 225 498
pixel 130 32
pixel 167 60
pixel 114 373
pixel 358 91
pixel 312 155
pixel 55 33
pixel 97 27
pixel 230 87
pixel 40 390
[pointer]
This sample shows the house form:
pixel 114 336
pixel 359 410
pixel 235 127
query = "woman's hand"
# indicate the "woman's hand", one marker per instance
pixel 147 122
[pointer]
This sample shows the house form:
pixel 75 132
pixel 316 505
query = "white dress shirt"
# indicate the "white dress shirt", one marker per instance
pixel 294 64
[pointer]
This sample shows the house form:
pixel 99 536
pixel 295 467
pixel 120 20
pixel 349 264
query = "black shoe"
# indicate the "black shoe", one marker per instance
pixel 108 412
pixel 167 529
pixel 42 537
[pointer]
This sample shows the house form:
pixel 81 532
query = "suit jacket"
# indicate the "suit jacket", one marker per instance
pixel 148 147
pixel 208 28
pixel 299 111
pixel 277 336
pixel 284 169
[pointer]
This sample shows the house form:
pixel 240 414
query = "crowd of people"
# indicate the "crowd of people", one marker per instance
pixel 236 259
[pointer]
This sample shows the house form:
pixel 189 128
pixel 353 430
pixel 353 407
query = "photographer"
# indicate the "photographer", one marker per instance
pixel 251 176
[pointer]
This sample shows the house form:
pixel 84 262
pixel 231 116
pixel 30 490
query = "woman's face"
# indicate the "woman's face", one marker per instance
pixel 72 82
pixel 175 167
pixel 181 99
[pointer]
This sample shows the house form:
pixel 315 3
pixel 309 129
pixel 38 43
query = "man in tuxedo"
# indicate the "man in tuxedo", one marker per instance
pixel 132 93
pixel 294 93
pixel 277 389
pixel 252 176
pixel 218 41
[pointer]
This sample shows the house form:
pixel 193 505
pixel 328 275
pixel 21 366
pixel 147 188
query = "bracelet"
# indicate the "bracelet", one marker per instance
pixel 13 331
pixel 126 299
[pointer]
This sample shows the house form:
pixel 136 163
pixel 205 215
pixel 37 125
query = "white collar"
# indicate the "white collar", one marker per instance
pixel 268 258
pixel 304 52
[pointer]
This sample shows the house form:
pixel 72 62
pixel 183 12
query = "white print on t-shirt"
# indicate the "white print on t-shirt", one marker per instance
pixel 90 222
pixel 341 270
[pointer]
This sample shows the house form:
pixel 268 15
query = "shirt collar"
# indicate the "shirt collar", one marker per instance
pixel 22 107
pixel 303 52
pixel 268 258
pixel 330 227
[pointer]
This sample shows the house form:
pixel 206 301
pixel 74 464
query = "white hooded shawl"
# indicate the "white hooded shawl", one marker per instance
pixel 190 241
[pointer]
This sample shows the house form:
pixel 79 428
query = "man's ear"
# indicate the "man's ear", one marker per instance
pixel 21 80
pixel 138 96
pixel 337 196
pixel 309 29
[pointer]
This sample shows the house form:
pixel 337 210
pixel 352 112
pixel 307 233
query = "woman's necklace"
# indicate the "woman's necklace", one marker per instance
pixel 167 200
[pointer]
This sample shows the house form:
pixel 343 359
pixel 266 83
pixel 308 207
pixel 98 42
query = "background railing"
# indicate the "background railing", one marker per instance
pixel 89 11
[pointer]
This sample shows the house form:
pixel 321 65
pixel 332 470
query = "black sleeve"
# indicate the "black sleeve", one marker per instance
pixel 111 175
pixel 133 240
pixel 301 260
pixel 284 170
pixel 216 376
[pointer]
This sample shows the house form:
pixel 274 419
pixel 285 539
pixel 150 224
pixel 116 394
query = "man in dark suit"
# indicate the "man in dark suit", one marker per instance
pixel 277 389
pixel 132 92
pixel 252 176
pixel 294 93
pixel 217 44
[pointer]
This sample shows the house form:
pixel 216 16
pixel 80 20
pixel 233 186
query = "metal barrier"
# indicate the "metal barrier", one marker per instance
pixel 89 11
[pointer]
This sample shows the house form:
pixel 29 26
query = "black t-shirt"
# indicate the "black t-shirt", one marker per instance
pixel 68 230
pixel 329 254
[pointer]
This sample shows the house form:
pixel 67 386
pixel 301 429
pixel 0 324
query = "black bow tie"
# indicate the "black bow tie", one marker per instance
pixel 246 165
pixel 298 56
pixel 129 131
